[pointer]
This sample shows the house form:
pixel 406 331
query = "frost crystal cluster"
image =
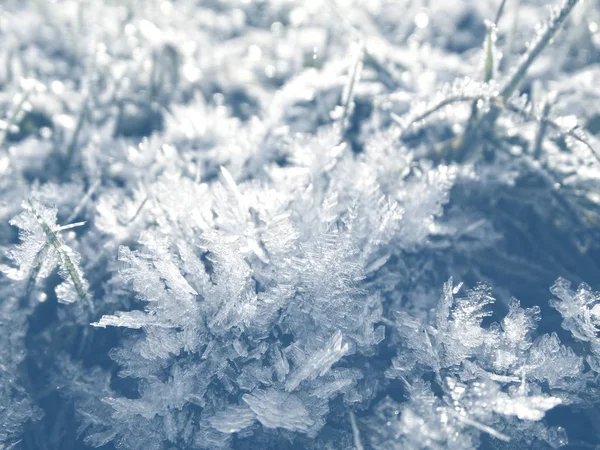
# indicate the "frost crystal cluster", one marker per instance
pixel 290 224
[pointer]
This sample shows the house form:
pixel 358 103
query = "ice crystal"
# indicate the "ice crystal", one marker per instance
pixel 481 371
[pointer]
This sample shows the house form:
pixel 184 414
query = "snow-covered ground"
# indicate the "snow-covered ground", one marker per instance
pixel 247 224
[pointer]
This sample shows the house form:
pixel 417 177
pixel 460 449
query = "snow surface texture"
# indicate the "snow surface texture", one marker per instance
pixel 245 224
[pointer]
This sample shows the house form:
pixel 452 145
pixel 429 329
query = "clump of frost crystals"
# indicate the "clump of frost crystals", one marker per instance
pixel 467 382
pixel 580 310
pixel 42 249
pixel 251 308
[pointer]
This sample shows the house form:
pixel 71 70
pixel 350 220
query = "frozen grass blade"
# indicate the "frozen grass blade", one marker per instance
pixel 545 121
pixel 75 137
pixel 479 426
pixel 479 127
pixel 541 43
pixel 405 124
pixel 539 137
pixel 42 249
pixel 84 200
pixel 484 126
pixel 349 88
pixel 500 13
pixel 355 431
pixel 65 258
pixel 14 117
pixel 33 275
pixel 510 39
pixel 490 41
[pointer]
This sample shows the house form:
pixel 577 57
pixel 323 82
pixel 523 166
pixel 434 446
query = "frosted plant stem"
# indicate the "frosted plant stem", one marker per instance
pixel 137 212
pixel 84 200
pixel 9 64
pixel 52 239
pixel 36 270
pixel 78 127
pixel 14 445
pixel 348 95
pixel 435 108
pixel 490 40
pixel 14 116
pixel 485 124
pixel 539 138
pixel 479 426
pixel 513 31
pixel 500 12
pixel 355 431
pixel 543 119
pixel 543 40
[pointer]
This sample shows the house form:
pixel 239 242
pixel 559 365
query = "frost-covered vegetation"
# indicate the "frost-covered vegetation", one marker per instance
pixel 273 224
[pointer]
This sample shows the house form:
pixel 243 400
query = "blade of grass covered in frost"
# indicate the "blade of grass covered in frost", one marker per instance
pixel 66 262
pixel 500 12
pixel 539 137
pixel 348 93
pixel 14 117
pixel 355 431
pixel 543 119
pixel 541 43
pixel 486 123
pixel 74 138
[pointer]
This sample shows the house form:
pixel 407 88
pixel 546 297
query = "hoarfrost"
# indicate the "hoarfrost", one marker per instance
pixel 267 197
